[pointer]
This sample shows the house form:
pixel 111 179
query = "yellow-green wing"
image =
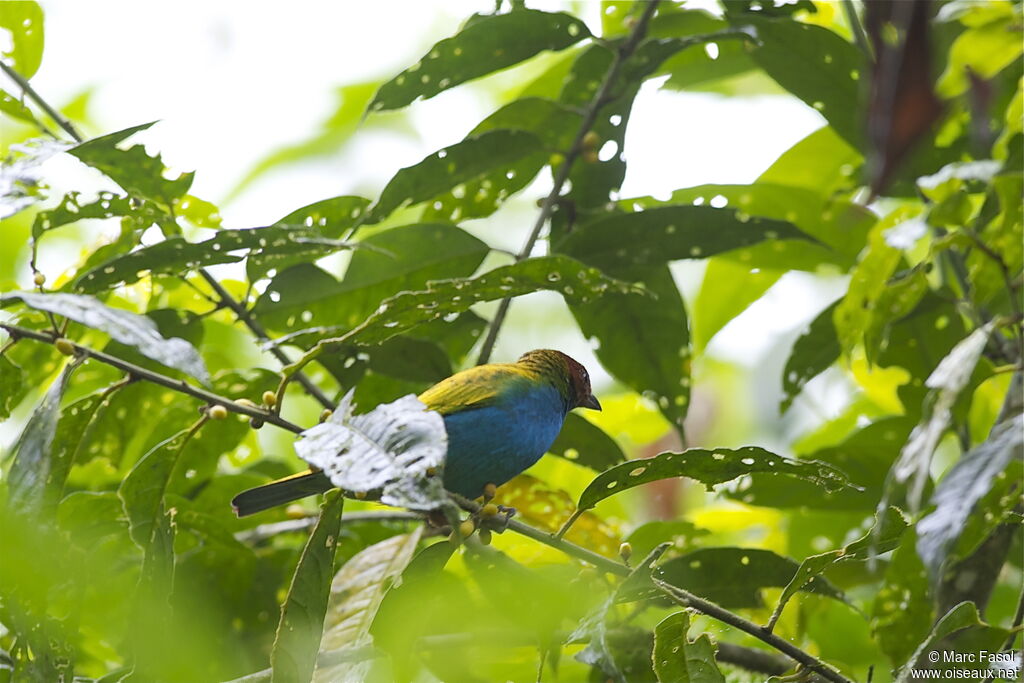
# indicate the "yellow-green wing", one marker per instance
pixel 472 388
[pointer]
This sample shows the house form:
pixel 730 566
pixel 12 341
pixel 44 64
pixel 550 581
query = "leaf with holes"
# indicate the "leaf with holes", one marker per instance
pixel 72 209
pixel 814 351
pixel 584 443
pixel 680 533
pixel 176 255
pixel 330 218
pixel 355 598
pixel 14 108
pixel 677 659
pixel 398 260
pixel 133 169
pixel 733 577
pixel 816 65
pixel 552 123
pixel 472 159
pixel 486 44
pixel 12 386
pixel 670 233
pixel 299 631
pixel 126 327
pixel 396 448
pixel 710 467
pixel 445 299
pixel 644 339
pixel 23 48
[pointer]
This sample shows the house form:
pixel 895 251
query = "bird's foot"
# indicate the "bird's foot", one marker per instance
pixel 495 517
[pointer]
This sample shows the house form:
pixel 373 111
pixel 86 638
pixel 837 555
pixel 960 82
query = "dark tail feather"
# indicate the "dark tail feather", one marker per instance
pixel 279 492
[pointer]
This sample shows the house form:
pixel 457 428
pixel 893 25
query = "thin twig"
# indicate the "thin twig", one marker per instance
pixel 43 104
pixel 258 330
pixel 857 29
pixel 688 599
pixel 139 372
pixel 601 98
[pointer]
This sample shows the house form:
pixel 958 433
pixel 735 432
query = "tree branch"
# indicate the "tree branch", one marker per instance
pixel 31 93
pixel 601 98
pixel 265 531
pixel 139 372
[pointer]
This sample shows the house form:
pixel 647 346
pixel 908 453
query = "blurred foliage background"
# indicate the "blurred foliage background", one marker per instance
pixel 833 344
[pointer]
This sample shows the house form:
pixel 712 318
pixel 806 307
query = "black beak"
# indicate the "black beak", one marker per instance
pixel 590 402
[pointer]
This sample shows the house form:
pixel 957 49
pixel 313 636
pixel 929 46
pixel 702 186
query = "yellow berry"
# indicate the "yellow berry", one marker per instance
pixel 360 495
pixel 217 412
pixel 467 528
pixel 556 159
pixel 591 141
pixel 325 415
pixel 269 399
pixel 431 471
pixel 245 402
pixel 489 491
pixel 489 510
pixel 39 279
pixel 485 536
pixel 65 346
pixel 256 423
pixel 590 156
pixel 625 551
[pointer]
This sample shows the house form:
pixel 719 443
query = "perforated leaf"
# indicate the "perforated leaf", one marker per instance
pixel 669 233
pixel 126 327
pixel 584 443
pixel 677 659
pixel 396 448
pixel 484 45
pixel 23 49
pixel 471 159
pixel 813 352
pixel 710 467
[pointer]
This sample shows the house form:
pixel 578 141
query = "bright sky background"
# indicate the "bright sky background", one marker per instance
pixel 230 81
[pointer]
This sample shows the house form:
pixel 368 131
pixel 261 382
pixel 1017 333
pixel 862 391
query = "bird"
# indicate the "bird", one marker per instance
pixel 500 419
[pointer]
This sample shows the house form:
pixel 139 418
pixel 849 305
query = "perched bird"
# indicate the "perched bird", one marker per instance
pixel 500 418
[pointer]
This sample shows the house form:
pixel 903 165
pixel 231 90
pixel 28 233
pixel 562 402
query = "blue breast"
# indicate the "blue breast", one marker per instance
pixel 495 443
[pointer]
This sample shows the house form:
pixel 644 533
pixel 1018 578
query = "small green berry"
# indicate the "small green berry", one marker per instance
pixel 217 412
pixel 65 346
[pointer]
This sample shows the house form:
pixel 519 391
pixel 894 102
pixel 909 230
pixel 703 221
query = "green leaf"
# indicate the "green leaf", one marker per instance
pixel 816 65
pixel 23 49
pixel 584 443
pixel 128 328
pixel 331 218
pixel 28 479
pixel 356 594
pixel 734 577
pixel 840 226
pixel 727 290
pixel 695 69
pixel 902 611
pixel 677 659
pixel 14 107
pixel 553 124
pixel 984 49
pixel 647 537
pixel 670 233
pixel 865 457
pixel 883 537
pixel 644 338
pixel 814 351
pixel 474 158
pixel 483 46
pixel 961 617
pixel 21 183
pixel 142 491
pixel 297 642
pixel 402 259
pixel 963 486
pixel 709 467
pixel 175 255
pixel 133 169
pixel 74 431
pixel 12 386
pixel 821 162
pixel 71 209
pixel 447 298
